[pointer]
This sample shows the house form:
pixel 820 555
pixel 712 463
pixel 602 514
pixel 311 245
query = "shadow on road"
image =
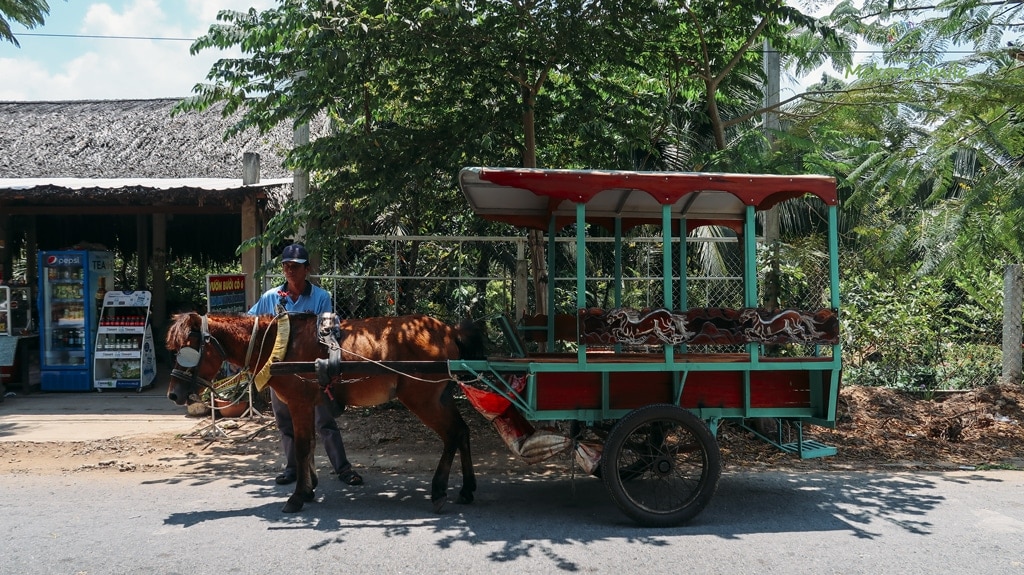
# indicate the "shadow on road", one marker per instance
pixel 581 512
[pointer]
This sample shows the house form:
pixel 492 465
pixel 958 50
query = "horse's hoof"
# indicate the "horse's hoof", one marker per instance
pixel 292 506
pixel 439 504
pixel 465 499
pixel 309 496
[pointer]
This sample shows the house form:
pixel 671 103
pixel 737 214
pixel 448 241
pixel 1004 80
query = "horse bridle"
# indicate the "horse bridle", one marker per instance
pixel 189 357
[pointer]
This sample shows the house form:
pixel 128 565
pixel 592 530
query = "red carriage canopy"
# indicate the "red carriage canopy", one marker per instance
pixel 526 197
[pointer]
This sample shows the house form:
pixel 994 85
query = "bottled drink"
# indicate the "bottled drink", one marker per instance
pixel 101 291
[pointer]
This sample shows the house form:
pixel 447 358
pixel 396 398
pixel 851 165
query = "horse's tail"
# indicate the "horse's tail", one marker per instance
pixel 470 340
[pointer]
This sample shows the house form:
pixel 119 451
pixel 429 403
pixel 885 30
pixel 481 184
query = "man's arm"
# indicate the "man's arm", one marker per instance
pixel 263 306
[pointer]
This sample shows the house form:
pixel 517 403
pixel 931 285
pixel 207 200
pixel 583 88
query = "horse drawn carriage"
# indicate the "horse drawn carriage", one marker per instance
pixel 635 394
pixel 653 385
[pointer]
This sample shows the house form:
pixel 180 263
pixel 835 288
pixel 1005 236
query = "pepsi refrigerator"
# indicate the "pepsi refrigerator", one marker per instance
pixel 71 290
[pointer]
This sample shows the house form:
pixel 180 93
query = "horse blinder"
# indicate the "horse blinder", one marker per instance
pixel 188 357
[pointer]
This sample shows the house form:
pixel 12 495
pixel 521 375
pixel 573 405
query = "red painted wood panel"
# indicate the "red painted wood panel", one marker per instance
pixel 713 389
pixel 708 389
pixel 568 391
pixel 780 389
pixel 633 390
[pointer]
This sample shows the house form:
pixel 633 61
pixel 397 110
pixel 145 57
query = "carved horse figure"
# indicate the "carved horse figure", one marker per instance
pixel 202 343
pixel 655 326
pixel 785 326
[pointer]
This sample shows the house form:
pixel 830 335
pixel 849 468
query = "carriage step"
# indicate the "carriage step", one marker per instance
pixel 804 448
pixel 808 449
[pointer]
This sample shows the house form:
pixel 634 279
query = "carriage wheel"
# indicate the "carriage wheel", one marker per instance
pixel 661 465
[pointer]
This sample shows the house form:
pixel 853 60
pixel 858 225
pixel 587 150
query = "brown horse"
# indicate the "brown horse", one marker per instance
pixel 202 343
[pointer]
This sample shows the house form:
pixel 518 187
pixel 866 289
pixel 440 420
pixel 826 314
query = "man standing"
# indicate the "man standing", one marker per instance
pixel 299 295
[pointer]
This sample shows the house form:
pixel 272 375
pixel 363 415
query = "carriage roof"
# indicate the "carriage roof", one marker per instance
pixel 528 197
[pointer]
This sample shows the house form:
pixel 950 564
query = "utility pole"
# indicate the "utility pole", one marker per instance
pixel 1013 282
pixel 300 177
pixel 300 188
pixel 251 228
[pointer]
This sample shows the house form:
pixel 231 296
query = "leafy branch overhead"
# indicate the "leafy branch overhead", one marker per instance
pixel 922 128
pixel 927 132
pixel 414 91
pixel 28 13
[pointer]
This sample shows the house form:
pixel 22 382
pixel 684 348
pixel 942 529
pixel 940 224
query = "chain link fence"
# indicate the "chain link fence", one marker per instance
pixel 938 337
pixel 927 333
pixel 453 277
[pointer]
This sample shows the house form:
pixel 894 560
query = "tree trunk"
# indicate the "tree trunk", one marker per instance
pixel 535 238
pixel 715 116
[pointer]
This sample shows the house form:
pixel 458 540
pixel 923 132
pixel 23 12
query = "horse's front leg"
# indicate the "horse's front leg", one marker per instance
pixel 305 472
pixel 301 408
pixel 439 484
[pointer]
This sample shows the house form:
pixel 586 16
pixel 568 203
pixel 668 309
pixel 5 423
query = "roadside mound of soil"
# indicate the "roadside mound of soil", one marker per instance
pixel 875 428
pixel 878 427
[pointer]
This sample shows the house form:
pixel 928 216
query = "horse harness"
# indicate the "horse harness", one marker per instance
pixel 328 334
pixel 189 357
pixel 326 369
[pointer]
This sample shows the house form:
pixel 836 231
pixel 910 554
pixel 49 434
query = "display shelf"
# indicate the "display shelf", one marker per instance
pixel 124 355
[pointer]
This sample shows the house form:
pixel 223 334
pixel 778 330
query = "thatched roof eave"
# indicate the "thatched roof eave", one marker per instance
pixel 135 195
pixel 211 184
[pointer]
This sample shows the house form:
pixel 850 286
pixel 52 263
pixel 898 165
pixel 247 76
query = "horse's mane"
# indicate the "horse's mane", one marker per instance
pixel 229 325
pixel 235 326
pixel 181 326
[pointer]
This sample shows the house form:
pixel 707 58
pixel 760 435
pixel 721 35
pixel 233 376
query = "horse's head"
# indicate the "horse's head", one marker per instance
pixel 195 365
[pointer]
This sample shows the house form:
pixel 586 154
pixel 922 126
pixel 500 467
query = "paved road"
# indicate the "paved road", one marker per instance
pixel 764 522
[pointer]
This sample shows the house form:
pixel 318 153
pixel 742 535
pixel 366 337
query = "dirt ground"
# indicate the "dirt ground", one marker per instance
pixel 876 428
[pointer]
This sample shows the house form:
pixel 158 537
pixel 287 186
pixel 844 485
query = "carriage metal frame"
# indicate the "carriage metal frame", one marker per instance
pixel 656 414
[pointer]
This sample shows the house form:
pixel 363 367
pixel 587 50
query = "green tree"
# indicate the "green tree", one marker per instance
pixel 413 91
pixel 928 135
pixel 926 140
pixel 28 13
